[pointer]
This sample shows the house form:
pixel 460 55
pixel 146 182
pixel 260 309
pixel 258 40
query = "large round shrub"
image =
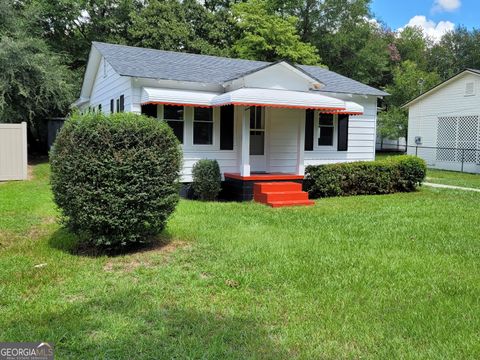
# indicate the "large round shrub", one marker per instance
pixel 115 178
pixel 207 179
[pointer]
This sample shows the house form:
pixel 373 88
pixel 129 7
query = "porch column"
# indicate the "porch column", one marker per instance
pixel 245 155
pixel 301 146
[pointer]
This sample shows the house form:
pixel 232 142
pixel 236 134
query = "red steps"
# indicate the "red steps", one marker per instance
pixel 279 194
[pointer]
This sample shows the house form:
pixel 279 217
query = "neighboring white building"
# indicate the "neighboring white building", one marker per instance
pixel 444 124
pixel 252 116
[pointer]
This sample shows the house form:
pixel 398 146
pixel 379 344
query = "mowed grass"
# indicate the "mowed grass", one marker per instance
pixel 445 177
pixel 394 276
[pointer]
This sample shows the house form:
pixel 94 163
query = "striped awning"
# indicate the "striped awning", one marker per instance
pixel 279 98
pixel 351 108
pixel 177 97
pixel 251 97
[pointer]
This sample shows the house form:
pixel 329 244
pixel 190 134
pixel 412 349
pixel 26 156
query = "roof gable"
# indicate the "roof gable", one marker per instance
pixel 277 75
pixel 169 65
pixel 442 85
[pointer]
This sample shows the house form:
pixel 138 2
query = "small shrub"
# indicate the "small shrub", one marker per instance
pixel 207 179
pixel 399 173
pixel 115 178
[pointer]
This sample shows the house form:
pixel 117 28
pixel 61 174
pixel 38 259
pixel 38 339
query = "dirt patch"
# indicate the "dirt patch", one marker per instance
pixel 144 258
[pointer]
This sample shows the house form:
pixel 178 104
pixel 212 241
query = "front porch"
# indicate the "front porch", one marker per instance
pixel 239 187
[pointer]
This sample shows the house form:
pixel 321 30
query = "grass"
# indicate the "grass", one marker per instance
pixel 446 177
pixel 394 276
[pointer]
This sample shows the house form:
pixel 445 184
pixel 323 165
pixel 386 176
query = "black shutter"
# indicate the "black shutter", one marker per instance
pixel 122 103
pixel 112 106
pixel 342 144
pixel 226 127
pixel 309 129
pixel 150 110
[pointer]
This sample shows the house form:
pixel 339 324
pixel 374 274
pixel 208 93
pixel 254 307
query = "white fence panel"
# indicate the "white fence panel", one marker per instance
pixel 13 151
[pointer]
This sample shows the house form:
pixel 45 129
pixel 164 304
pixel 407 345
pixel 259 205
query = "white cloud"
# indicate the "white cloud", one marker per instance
pixel 430 28
pixel 446 5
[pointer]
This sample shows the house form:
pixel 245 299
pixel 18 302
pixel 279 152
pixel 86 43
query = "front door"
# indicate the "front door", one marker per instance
pixel 258 160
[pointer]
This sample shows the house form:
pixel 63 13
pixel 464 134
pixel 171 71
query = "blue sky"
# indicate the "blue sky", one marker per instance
pixel 434 16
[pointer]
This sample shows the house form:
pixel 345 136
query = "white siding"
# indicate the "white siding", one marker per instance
pixel 109 85
pixel 448 100
pixel 361 137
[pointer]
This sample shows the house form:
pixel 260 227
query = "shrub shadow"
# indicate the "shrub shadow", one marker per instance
pixel 64 240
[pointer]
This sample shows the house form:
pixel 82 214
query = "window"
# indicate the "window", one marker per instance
pixel 309 129
pixel 122 103
pixel 118 105
pixel 99 108
pixel 150 110
pixel 202 126
pixel 257 131
pixel 226 127
pixel 112 106
pixel 342 138
pixel 173 115
pixel 326 130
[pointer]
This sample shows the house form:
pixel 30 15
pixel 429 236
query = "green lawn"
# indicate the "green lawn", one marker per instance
pixel 393 276
pixel 445 177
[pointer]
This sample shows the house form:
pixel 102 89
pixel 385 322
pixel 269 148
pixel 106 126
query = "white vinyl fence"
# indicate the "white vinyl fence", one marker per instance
pixel 13 151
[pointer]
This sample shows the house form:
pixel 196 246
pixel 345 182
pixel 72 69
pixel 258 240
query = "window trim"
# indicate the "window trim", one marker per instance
pixel 332 147
pixel 177 120
pixel 203 121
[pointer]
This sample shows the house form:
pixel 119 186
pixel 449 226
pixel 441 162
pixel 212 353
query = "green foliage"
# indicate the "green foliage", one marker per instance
pixel 268 36
pixel 456 51
pixel 394 174
pixel 413 45
pixel 34 83
pixel 393 123
pixel 115 178
pixel 409 82
pixel 182 26
pixel 206 179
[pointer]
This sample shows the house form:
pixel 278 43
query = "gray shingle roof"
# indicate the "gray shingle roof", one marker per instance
pixel 169 65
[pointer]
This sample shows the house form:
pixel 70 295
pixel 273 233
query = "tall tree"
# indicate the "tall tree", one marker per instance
pixel 269 36
pixel 182 26
pixel 34 83
pixel 69 26
pixel 456 51
pixel 413 45
pixel 408 82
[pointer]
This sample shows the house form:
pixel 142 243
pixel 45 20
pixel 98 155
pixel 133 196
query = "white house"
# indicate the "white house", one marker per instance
pixel 258 119
pixel 444 124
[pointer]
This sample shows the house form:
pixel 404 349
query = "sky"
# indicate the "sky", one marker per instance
pixel 435 17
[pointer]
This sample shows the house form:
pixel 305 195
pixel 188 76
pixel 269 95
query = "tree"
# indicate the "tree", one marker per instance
pixel 70 26
pixel 456 51
pixel 268 36
pixel 408 82
pixel 413 45
pixel 34 84
pixel 182 26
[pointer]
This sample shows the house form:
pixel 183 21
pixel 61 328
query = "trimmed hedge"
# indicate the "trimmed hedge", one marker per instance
pixel 207 179
pixel 115 178
pixel 394 174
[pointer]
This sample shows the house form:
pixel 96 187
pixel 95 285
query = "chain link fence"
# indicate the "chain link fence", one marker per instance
pixel 448 158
